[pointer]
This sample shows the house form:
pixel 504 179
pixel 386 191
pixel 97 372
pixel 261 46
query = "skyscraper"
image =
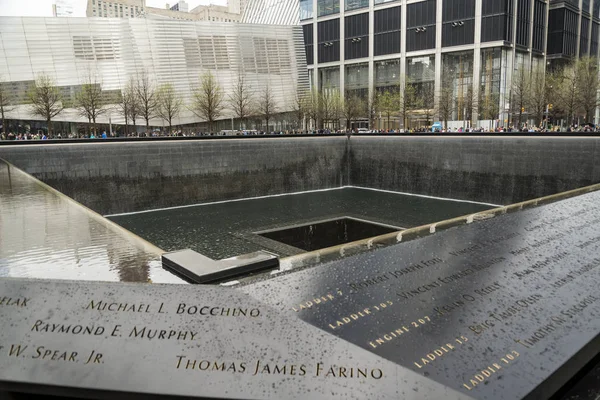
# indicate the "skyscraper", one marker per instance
pixel 62 8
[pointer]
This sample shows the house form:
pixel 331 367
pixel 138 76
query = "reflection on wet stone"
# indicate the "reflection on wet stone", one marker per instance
pixel 493 309
pixel 46 235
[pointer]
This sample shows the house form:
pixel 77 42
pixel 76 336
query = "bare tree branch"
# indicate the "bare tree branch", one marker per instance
pixel 146 97
pixel 5 103
pixel 208 100
pixel 266 106
pixel 90 101
pixel 169 105
pixel 45 99
pixel 240 100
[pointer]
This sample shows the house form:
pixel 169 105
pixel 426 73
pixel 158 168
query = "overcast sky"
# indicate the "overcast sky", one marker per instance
pixel 43 8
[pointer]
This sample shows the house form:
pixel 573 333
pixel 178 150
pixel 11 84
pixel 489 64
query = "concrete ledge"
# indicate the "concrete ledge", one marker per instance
pixel 201 269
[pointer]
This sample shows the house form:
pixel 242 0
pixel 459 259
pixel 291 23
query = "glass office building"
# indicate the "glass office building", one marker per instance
pixel 480 43
pixel 175 52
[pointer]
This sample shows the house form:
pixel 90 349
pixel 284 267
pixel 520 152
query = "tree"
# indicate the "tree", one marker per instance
pixel 45 99
pixel 169 104
pixel 388 104
pixel 553 95
pixel 427 96
pixel 5 104
pixel 89 100
pixel 311 106
pixel 330 106
pixel 408 101
pixel 207 100
pixel 299 107
pixel 445 99
pixel 489 105
pixel 587 81
pixel 352 108
pixel 147 99
pixel 240 99
pixel 373 108
pixel 521 92
pixel 266 105
pixel 568 97
pixel 471 102
pixel 127 105
pixel 538 95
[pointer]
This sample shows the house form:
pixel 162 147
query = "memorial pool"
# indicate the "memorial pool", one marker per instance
pixel 230 228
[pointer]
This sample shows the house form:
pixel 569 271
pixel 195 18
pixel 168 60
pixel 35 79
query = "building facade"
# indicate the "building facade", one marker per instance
pixel 573 30
pixel 179 6
pixel 473 46
pixel 139 9
pixel 115 50
pixel 62 8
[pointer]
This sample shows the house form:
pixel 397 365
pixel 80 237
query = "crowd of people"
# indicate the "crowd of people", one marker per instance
pixel 191 133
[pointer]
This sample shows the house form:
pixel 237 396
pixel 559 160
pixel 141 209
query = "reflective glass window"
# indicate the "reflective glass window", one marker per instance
pixel 355 4
pixel 387 74
pixel 306 9
pixel 421 70
pixel 457 74
pixel 357 76
pixel 493 70
pixel 329 78
pixel 327 7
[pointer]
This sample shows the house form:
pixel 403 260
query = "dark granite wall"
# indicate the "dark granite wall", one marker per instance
pixel 499 170
pixel 123 177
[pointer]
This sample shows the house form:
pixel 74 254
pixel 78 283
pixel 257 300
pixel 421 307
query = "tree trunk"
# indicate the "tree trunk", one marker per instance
pixel 49 125
pixel 94 126
pixel 126 133
pixel 170 128
pixel 147 124
pixel 3 122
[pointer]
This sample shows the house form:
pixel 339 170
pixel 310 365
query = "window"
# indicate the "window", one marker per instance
pixel 594 41
pixel 329 78
pixel 306 9
pixel 327 7
pixel 457 72
pixel 357 80
pixel 387 31
pixel 356 4
pixel 493 67
pixel 497 17
pixel 584 37
pixel 308 43
pixel 523 16
pixel 458 22
pixel 387 75
pixel 421 26
pixel 539 21
pixel 328 41
pixel 356 31
pixel 421 70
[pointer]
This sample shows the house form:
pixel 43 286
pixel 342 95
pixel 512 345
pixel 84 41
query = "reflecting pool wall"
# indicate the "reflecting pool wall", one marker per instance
pixel 122 177
pixel 115 178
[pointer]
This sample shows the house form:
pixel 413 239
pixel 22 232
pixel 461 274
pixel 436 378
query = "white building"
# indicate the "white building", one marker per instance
pixel 114 50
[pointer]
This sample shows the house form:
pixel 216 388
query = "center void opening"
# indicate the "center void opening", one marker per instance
pixel 333 232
